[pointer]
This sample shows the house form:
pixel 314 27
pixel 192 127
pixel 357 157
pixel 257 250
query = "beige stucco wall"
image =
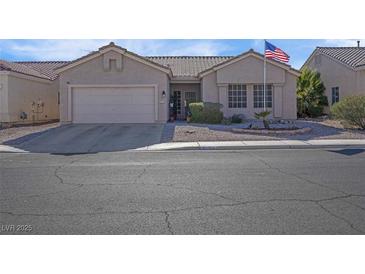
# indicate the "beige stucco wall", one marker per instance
pixel 133 72
pixel 361 82
pixel 209 88
pixel 4 115
pixel 23 90
pixel 335 74
pixel 249 71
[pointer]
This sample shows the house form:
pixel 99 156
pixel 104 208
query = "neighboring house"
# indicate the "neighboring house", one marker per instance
pixel 342 70
pixel 28 92
pixel 114 85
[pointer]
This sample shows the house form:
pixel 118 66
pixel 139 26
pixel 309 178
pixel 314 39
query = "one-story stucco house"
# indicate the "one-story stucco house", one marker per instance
pixel 114 85
pixel 28 92
pixel 342 70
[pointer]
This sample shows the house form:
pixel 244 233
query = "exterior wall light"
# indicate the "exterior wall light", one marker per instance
pixel 163 93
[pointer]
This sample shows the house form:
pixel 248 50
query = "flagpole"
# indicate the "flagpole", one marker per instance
pixel 264 75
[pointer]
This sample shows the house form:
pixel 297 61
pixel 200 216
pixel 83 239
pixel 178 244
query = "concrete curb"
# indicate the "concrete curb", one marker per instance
pixel 234 145
pixel 9 149
pixel 242 145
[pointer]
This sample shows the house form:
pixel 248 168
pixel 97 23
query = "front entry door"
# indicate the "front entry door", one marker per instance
pixel 181 101
pixel 190 97
pixel 177 108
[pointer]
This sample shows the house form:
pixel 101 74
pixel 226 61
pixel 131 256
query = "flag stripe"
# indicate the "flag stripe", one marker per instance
pixel 275 53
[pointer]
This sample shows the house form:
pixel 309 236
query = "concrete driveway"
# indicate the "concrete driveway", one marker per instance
pixel 91 138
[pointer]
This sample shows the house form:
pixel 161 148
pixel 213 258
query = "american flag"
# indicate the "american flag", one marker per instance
pixel 275 53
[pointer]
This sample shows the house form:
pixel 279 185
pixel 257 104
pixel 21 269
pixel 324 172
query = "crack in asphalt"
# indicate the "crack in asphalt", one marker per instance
pixel 294 175
pixel 176 210
pixel 340 218
pixel 197 191
pixel 346 195
pixel 356 205
pixel 55 173
pixel 167 215
pixel 139 176
pixel 167 221
pixel 60 179
pixel 182 209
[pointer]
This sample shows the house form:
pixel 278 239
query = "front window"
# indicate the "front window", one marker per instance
pixel 335 95
pixel 258 96
pixel 237 96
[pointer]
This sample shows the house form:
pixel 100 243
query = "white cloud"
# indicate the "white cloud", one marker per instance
pixel 52 49
pixel 175 47
pixel 72 49
pixel 202 48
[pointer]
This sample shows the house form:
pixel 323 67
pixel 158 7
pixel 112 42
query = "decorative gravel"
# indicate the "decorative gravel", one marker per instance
pixel 21 131
pixel 183 132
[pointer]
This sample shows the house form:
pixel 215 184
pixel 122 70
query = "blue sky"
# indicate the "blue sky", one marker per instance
pixel 63 49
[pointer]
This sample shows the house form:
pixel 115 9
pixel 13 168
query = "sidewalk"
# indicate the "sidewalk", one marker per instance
pixel 236 145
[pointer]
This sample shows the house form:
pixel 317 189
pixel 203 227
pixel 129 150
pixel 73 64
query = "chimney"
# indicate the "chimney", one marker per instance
pixel 358 43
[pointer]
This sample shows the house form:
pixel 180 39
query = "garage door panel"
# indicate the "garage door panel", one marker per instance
pixel 104 99
pixel 117 109
pixel 115 118
pixel 113 105
pixel 144 100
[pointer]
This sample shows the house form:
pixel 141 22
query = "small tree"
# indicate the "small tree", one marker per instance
pixel 350 109
pixel 263 115
pixel 310 94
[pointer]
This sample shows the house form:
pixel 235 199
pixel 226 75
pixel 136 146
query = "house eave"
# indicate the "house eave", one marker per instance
pixel 26 76
pixel 184 80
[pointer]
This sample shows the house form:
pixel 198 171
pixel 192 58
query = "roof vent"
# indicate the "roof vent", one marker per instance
pixel 358 43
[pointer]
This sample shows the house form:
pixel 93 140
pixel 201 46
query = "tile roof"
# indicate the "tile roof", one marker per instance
pixel 351 56
pixel 188 65
pixel 20 68
pixel 180 66
pixel 44 67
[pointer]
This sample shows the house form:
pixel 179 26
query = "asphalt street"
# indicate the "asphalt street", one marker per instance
pixel 303 191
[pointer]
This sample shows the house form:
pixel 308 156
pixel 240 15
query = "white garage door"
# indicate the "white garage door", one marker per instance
pixel 113 105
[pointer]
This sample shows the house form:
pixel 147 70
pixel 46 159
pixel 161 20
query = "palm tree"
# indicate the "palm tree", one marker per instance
pixel 310 93
pixel 263 115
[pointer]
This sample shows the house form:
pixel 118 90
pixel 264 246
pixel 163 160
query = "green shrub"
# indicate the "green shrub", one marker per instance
pixel 206 113
pixel 351 110
pixel 196 110
pixel 236 119
pixel 226 121
pixel 315 110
